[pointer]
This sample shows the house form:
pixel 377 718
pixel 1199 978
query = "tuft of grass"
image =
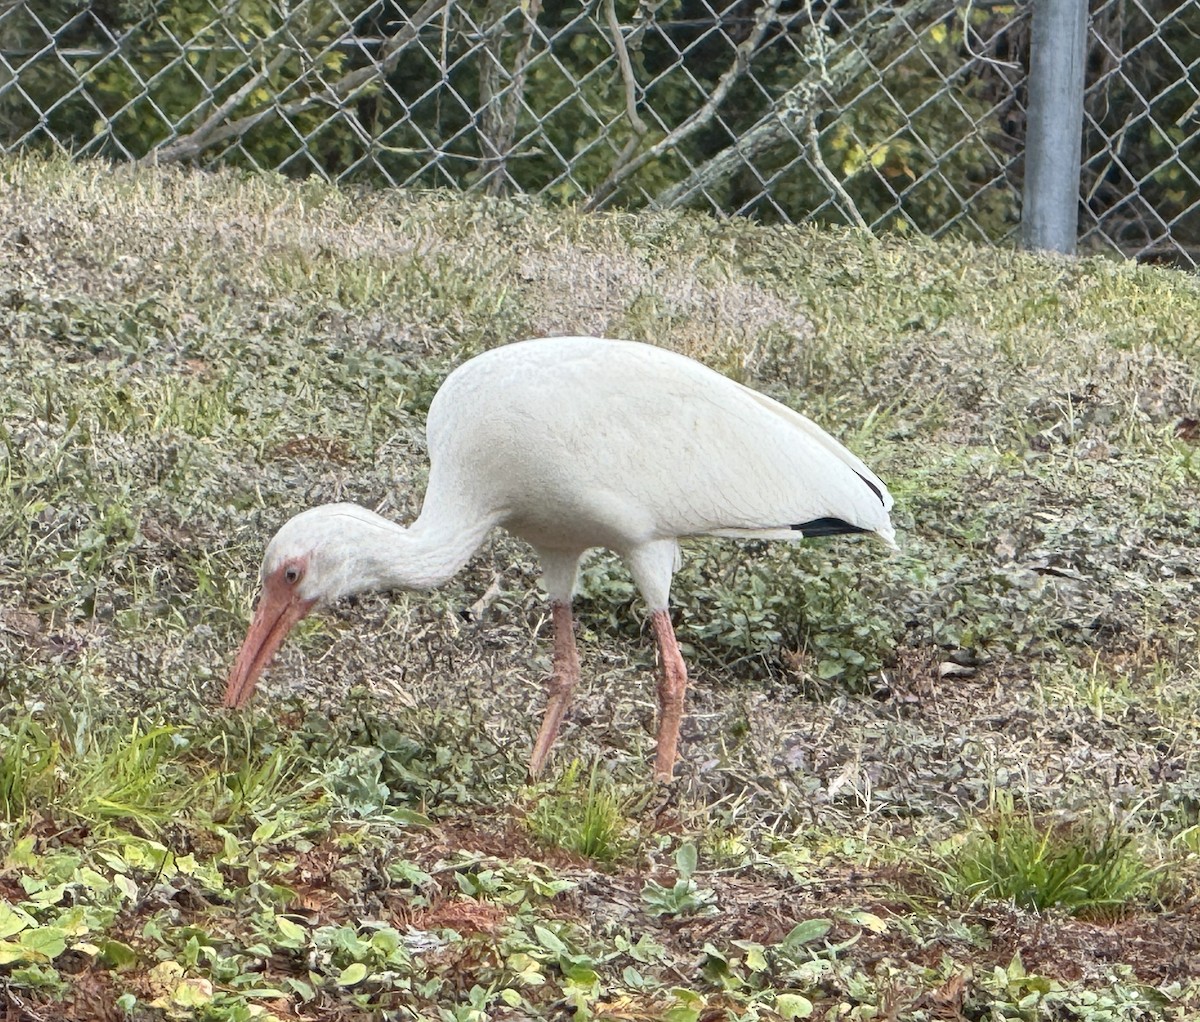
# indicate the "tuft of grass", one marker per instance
pixel 133 777
pixel 97 775
pixel 584 817
pixel 261 786
pixel 1090 868
pixel 28 758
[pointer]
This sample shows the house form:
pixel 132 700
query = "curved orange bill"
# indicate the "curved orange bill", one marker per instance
pixel 279 608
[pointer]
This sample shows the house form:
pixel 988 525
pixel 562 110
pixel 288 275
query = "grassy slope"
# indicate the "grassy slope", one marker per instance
pixel 188 359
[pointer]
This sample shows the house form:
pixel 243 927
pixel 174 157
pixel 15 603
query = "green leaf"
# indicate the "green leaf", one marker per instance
pixel 552 888
pixel 549 940
pixel 408 816
pixel 755 959
pixel 686 859
pixel 264 832
pixel 295 934
pixel 112 860
pixel 688 997
pixel 75 921
pixel 13 920
pixel 126 886
pixel 37 977
pixel 22 855
pixel 116 955
pixel 807 931
pixel 581 974
pixel 50 895
pixel 792 1006
pixel 305 991
pixel 351 974
pixel 827 669
pixel 49 941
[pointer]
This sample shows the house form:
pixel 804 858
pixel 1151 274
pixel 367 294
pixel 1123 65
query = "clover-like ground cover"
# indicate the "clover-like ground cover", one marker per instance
pixel 189 358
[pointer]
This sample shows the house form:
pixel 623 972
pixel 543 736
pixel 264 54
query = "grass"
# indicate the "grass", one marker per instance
pixel 363 845
pixel 582 817
pixel 1088 867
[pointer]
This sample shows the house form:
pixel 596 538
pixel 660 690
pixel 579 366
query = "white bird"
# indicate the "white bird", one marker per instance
pixel 572 443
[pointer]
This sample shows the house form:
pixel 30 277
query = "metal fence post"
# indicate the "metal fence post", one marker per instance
pixel 1050 206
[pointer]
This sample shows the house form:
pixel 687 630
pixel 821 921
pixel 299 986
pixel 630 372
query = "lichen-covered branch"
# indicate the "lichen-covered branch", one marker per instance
pixel 502 106
pixel 213 132
pixel 790 116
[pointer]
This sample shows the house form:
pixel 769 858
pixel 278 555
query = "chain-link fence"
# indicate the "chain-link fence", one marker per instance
pixel 905 116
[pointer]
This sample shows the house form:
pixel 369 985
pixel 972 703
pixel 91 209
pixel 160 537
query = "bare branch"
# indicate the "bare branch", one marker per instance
pixel 213 121
pixel 631 111
pixel 625 167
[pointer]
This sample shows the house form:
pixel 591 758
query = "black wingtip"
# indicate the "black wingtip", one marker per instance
pixel 828 527
pixel 875 489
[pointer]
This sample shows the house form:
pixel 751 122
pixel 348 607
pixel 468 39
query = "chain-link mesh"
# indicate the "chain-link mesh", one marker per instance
pixel 1141 148
pixel 906 116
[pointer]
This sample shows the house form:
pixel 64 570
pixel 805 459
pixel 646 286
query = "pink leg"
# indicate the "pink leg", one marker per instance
pixel 672 684
pixel 563 679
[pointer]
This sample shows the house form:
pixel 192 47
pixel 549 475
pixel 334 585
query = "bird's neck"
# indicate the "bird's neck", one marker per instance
pixel 422 555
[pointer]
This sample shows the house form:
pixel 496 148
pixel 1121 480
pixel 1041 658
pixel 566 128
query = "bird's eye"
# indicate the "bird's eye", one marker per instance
pixel 291 574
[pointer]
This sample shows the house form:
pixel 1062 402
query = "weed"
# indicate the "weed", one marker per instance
pixel 259 787
pixel 1084 867
pixel 582 818
pixel 685 897
pixel 28 760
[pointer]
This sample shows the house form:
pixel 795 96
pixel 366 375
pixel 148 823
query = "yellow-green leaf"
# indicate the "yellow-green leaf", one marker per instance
pixel 50 896
pixel 126 886
pixel 291 931
pixel 192 993
pixel 869 921
pixel 351 974
pixel 11 951
pixel 792 1006
pixel 45 942
pixel 22 856
pixel 13 920
pixel 118 955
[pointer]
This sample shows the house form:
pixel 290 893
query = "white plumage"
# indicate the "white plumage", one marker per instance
pixel 572 443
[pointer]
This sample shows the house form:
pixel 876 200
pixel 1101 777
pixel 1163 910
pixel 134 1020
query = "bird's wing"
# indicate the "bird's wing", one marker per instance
pixel 582 441
pixel 747 465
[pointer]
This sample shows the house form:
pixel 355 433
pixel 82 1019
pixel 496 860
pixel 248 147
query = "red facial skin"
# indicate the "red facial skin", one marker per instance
pixel 279 608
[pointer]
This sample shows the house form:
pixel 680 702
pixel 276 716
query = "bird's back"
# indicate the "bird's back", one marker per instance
pixel 578 441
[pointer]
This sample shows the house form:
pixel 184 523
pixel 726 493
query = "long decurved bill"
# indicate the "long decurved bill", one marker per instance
pixel 279 608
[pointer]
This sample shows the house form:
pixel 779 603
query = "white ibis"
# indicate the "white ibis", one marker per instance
pixel 572 443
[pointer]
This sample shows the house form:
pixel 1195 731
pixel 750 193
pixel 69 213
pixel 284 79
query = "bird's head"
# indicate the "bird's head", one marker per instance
pixel 310 562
